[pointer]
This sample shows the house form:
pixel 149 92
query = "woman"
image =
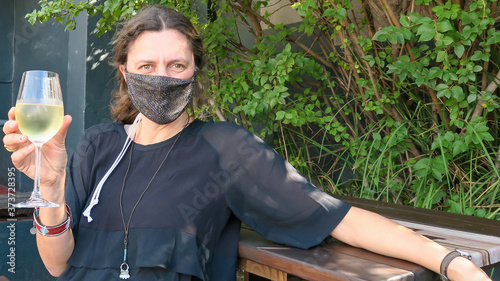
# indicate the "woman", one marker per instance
pixel 162 199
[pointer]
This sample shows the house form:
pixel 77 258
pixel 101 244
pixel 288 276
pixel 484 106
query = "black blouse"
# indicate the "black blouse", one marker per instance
pixel 186 227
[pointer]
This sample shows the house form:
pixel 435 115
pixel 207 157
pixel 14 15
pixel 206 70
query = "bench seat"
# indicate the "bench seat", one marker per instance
pixel 334 260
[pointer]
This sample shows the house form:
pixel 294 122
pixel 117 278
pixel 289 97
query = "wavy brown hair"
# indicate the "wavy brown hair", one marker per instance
pixel 151 18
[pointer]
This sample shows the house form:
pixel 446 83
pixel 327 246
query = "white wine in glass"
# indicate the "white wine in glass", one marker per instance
pixel 39 113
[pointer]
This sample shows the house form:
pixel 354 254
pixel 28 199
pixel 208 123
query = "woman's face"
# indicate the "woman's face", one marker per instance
pixel 162 53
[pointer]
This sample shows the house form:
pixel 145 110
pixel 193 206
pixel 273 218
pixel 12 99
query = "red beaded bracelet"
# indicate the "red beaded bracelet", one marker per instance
pixel 51 231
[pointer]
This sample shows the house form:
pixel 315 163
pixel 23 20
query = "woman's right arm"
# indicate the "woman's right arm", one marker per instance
pixel 54 251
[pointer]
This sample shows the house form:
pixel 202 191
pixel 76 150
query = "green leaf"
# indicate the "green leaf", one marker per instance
pixel 480 213
pixel 263 80
pixel 407 33
pixel 280 115
pixel 459 50
pixel 381 35
pixel 477 68
pixel 328 119
pixel 425 27
pixel 449 136
pixel 438 10
pixel 426 31
pixel 441 56
pixel 447 40
pixel 426 36
pixel 493 37
pixel 404 20
pixel 458 93
pixel 342 13
pixel 439 164
pixel 459 147
pixel 441 87
pixel 288 48
pixel 422 164
pixel 400 37
pixel 396 37
pixel 438 196
pixel 329 13
pixel 477 56
pixel 466 32
pixel 471 98
pixel 443 26
pixel 436 174
pixel 31 18
pixel 487 136
pixel 415 17
pixel 70 25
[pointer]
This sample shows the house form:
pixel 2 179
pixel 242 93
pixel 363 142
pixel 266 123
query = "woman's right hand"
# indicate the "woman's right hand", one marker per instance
pixel 53 161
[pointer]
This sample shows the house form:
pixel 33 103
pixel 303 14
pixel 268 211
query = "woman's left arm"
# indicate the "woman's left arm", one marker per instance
pixel 370 231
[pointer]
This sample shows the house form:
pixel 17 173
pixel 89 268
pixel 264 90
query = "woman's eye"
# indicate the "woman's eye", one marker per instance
pixel 146 67
pixel 178 66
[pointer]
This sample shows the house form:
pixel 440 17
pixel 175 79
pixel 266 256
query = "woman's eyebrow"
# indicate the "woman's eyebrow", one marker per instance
pixel 141 61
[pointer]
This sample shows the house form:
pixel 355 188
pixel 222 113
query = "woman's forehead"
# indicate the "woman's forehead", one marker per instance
pixel 169 42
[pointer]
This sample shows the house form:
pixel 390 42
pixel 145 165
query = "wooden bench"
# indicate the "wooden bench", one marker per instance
pixel 334 260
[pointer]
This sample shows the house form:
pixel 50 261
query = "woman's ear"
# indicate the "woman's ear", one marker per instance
pixel 122 70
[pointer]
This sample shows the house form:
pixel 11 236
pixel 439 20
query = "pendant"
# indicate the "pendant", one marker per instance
pixel 33 230
pixel 124 266
pixel 124 271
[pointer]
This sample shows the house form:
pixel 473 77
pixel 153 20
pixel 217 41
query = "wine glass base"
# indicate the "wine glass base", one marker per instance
pixel 35 203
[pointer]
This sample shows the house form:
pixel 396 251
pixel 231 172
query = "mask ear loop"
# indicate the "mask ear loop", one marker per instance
pixel 97 190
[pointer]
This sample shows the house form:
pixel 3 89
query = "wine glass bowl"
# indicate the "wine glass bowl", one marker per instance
pixel 39 113
pixel 39 121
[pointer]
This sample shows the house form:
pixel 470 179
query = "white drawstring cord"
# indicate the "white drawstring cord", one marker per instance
pixel 97 191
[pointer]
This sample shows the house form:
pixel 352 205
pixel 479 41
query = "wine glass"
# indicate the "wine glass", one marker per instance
pixel 39 113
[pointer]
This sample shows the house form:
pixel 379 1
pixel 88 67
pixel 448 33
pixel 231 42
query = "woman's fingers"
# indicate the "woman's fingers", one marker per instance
pixel 11 126
pixel 20 156
pixel 59 140
pixel 61 134
pixel 14 141
pixel 12 113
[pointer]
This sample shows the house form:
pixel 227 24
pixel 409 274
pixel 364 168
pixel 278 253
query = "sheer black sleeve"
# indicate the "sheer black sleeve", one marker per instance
pixel 268 194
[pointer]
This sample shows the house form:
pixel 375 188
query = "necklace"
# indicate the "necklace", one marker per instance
pixel 124 267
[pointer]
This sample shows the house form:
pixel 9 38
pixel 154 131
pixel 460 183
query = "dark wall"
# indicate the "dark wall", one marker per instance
pixel 79 57
pixel 6 76
pixel 27 47
pixel 39 46
pixel 90 79
pixel 6 55
pixel 100 76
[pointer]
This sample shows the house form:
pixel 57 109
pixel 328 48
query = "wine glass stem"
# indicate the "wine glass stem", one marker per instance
pixel 38 161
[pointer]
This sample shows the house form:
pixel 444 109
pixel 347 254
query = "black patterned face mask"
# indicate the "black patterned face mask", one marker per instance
pixel 161 99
